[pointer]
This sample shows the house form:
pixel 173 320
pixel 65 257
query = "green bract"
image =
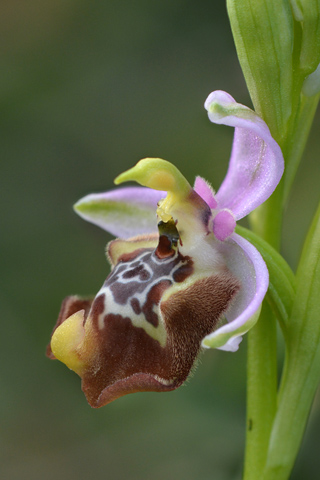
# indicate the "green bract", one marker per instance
pixel 278 45
pixel 264 35
pixel 302 369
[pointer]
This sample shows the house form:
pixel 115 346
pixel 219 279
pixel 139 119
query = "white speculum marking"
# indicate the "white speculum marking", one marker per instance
pixel 149 263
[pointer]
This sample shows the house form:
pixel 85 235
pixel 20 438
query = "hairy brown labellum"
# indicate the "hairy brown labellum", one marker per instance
pixel 143 330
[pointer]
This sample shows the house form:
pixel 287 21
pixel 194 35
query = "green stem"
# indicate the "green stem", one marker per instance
pixel 262 355
pixel 261 392
pixel 262 395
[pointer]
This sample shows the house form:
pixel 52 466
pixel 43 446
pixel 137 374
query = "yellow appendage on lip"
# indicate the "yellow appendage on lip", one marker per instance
pixel 65 340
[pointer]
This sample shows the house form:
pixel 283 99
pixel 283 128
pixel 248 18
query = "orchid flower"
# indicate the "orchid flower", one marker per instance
pixel 181 279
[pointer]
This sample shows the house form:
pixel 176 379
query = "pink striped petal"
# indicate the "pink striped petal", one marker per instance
pixel 256 163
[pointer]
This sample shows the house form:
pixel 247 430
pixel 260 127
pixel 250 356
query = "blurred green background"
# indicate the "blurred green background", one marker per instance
pixel 87 88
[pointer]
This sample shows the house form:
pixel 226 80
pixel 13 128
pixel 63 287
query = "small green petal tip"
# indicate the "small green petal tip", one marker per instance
pixel 220 110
